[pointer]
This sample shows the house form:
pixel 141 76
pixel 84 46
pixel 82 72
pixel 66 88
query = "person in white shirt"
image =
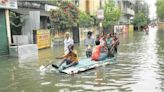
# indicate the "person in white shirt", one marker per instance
pixel 67 41
pixel 89 43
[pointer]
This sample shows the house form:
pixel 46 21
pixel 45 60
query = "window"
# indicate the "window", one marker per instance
pixel 77 3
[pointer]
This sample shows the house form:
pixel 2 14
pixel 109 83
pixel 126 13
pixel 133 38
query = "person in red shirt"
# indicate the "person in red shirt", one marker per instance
pixel 99 52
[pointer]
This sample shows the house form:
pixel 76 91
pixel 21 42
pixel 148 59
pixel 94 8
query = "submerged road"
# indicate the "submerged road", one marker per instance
pixel 139 68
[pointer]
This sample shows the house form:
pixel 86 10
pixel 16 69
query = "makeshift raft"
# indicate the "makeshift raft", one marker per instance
pixel 87 64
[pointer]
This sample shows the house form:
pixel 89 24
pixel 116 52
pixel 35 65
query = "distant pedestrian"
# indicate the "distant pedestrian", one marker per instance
pixel 146 29
pixel 68 41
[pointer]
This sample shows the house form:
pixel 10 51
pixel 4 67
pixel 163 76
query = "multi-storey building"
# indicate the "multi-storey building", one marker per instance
pixel 142 6
pixel 127 10
pixel 89 6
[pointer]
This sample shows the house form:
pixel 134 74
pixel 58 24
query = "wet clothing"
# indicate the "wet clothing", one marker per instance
pixel 103 56
pixel 72 56
pixel 115 43
pixel 88 53
pixel 109 42
pixel 69 62
pixel 89 43
pixel 97 55
pixel 102 42
pixel 71 59
pixel 96 52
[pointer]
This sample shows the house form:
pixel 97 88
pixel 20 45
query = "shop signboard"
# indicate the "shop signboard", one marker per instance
pixel 131 28
pixel 42 38
pixel 8 4
pixel 100 14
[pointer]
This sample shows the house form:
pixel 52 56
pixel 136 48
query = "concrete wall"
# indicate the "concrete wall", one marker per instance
pixel 32 22
pixel 26 30
pixel 24 51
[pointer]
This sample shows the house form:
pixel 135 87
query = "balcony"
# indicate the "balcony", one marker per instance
pixel 131 1
pixel 128 11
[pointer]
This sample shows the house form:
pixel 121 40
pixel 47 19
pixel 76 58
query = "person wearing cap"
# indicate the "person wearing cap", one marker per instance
pixel 67 41
pixel 71 59
pixel 89 43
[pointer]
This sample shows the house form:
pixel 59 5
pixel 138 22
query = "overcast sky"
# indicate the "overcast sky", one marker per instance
pixel 152 8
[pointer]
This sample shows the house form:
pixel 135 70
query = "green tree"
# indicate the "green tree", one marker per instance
pixel 160 7
pixel 16 22
pixel 140 20
pixel 111 14
pixel 85 20
pixel 66 16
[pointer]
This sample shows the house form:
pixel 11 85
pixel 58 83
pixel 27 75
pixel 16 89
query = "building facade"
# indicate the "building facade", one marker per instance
pixel 127 10
pixel 89 6
pixel 35 15
pixel 5 35
pixel 142 6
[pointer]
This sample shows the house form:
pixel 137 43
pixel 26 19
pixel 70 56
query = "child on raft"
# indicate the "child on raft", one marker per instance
pixel 71 59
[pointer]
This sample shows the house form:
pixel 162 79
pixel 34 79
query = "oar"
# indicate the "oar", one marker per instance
pixel 51 61
pixel 43 67
pixel 55 66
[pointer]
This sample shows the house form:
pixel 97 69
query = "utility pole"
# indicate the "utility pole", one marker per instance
pixel 100 24
pixel 100 2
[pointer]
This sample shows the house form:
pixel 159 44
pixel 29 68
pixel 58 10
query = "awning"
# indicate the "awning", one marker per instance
pixel 25 11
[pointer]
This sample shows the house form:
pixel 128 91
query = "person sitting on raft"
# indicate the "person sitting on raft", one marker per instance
pixel 71 59
pixel 99 52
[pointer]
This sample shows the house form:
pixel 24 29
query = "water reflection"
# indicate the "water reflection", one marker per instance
pixel 139 68
pixel 146 73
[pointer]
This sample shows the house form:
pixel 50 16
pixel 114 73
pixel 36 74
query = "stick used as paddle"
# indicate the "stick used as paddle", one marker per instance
pixel 55 66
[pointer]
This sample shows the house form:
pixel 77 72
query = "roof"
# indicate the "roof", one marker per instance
pixel 25 11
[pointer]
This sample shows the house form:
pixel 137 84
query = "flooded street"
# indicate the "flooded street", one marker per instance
pixel 139 68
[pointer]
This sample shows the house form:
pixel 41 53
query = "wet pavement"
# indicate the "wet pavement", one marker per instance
pixel 139 68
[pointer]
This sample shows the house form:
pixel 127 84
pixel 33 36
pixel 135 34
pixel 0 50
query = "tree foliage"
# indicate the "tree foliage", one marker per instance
pixel 16 23
pixel 66 16
pixel 85 20
pixel 160 7
pixel 111 14
pixel 140 19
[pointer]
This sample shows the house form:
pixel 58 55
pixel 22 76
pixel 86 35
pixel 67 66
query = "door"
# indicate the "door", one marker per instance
pixel 76 37
pixel 3 34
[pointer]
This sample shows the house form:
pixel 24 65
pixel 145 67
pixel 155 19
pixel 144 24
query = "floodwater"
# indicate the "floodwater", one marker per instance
pixel 139 68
